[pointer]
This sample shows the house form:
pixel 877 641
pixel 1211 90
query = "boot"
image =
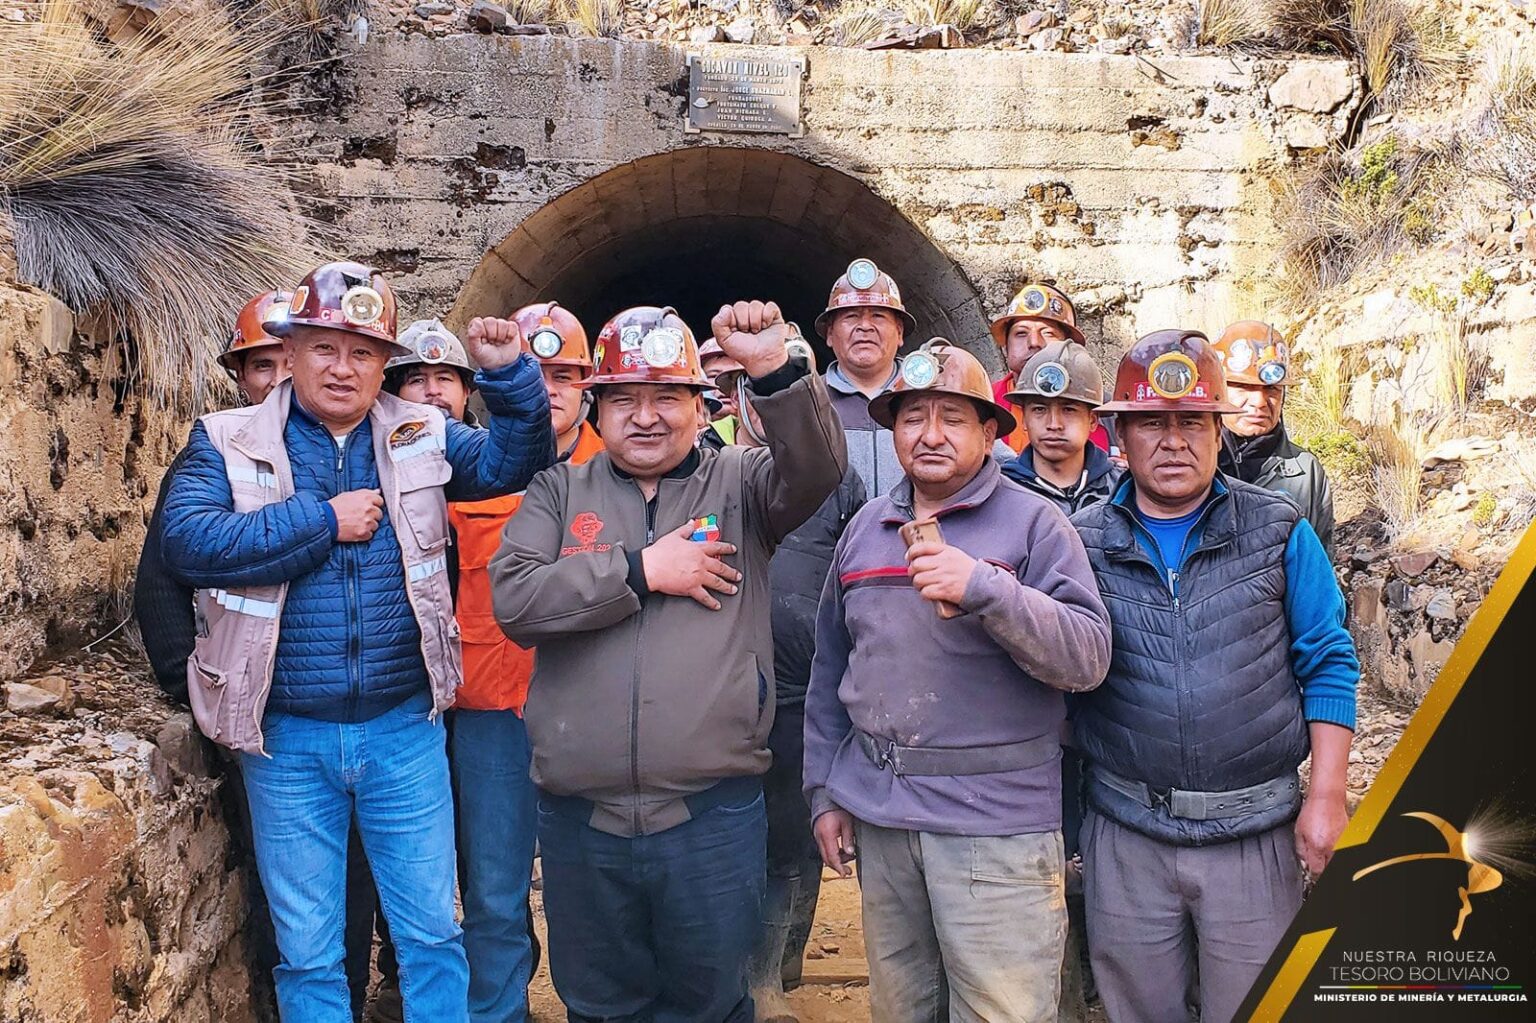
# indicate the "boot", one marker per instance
pixel 763 980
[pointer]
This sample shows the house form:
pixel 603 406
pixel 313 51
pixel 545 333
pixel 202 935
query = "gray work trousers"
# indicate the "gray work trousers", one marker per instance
pixel 962 930
pixel 1174 926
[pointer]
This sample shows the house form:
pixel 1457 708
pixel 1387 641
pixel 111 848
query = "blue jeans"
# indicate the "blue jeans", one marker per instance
pixel 392 773
pixel 497 808
pixel 658 928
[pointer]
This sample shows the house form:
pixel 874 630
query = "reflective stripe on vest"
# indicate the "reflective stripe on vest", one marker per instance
pixel 244 605
pixel 246 474
pixel 428 568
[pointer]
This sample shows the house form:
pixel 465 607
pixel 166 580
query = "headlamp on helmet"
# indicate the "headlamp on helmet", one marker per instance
pixel 920 369
pixel 546 342
pixel 862 273
pixel 1272 373
pixel 1034 300
pixel 662 347
pixel 1172 375
pixel 362 305
pixel 431 347
pixel 1052 379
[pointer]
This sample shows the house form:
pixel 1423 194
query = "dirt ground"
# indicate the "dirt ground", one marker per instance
pixel 836 987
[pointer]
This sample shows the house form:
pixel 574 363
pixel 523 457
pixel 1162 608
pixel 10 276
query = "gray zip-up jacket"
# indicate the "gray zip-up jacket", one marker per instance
pixel 639 701
pixel 888 665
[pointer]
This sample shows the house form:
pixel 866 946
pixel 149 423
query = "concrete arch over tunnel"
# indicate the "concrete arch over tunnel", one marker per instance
pixel 697 227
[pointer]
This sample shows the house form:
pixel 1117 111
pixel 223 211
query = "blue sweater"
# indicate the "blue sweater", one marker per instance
pixel 1322 654
pixel 348 644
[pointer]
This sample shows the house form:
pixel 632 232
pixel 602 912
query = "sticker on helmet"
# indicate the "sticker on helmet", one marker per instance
pixel 862 273
pixel 1172 375
pixel 1033 300
pixel 546 343
pixel 1272 373
pixel 432 347
pixel 629 337
pixel 1282 351
pixel 296 303
pixel 1056 306
pixel 1051 379
pixel 662 347
pixel 362 306
pixel 599 349
pixel 920 369
pixel 1240 355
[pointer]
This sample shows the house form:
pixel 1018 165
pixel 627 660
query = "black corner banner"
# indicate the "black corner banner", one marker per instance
pixel 1427 910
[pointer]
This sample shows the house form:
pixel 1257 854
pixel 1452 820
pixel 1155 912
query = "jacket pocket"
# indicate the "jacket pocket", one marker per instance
pixel 1033 859
pixel 422 503
pixel 208 693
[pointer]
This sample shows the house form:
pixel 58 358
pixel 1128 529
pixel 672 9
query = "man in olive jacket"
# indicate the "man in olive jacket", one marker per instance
pixel 642 578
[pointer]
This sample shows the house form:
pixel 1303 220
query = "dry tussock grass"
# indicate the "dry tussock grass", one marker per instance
pixel 127 192
pixel 603 19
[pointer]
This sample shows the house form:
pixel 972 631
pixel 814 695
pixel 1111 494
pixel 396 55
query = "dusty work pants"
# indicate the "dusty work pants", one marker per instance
pixel 964 930
pixel 1173 925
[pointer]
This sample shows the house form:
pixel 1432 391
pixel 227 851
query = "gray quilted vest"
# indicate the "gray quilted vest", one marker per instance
pixel 1200 694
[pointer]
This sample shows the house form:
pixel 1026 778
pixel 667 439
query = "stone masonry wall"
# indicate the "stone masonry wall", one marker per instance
pixel 1141 187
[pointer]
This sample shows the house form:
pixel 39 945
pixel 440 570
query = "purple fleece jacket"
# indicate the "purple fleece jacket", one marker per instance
pixel 887 664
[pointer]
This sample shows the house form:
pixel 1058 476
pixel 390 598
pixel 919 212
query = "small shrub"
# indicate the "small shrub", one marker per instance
pixel 1483 511
pixel 1421 219
pixel 602 19
pixel 1396 451
pixel 1342 454
pixel 1229 22
pixel 962 14
pixel 1430 297
pixel 1478 287
pixel 1378 178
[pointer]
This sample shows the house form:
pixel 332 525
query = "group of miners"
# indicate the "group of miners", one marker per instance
pixel 693 623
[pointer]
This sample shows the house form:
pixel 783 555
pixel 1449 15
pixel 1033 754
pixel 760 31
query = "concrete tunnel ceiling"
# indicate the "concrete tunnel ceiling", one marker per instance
pixel 697 227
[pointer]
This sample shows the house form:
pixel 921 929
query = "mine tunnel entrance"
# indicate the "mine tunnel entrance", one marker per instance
pixel 698 227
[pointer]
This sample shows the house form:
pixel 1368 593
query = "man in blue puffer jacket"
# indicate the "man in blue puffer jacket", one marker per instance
pixel 315 527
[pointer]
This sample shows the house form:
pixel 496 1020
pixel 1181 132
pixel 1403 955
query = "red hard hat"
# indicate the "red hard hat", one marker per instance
pixel 343 296
pixel 864 286
pixel 555 337
pixel 1038 302
pixel 647 345
pixel 251 327
pixel 1170 371
pixel 1252 353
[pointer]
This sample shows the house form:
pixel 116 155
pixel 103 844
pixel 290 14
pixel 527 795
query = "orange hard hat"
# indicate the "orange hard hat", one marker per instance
pixel 1252 353
pixel 1170 371
pixel 864 286
pixel 554 335
pixel 647 345
pixel 939 367
pixel 251 327
pixel 1062 369
pixel 343 296
pixel 1038 302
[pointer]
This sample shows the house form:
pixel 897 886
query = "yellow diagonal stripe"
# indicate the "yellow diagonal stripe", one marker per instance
pixel 1297 965
pixel 1469 649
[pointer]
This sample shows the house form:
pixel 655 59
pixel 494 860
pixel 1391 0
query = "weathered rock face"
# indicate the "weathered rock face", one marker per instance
pixel 81 456
pixel 119 900
pixel 962 173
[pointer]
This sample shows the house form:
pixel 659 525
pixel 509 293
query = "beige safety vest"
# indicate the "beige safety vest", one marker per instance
pixel 230 672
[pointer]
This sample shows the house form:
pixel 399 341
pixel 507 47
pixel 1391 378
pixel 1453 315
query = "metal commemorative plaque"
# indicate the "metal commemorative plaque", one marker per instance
pixel 745 94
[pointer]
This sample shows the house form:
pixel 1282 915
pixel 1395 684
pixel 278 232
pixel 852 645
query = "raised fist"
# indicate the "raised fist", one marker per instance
pixel 753 333
pixel 492 342
pixel 357 514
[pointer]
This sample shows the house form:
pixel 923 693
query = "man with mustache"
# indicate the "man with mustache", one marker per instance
pixel 1231 662
pixel 934 715
pixel 642 577
pixel 315 526
pixel 865 323
pixel 1255 446
pixel 496 801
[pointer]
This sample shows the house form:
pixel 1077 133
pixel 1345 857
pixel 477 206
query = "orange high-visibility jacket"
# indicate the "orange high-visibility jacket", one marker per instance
pixel 496 670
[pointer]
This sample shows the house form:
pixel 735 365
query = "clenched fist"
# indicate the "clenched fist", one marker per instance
pixel 493 342
pixel 939 571
pixel 753 333
pixel 686 568
pixel 358 513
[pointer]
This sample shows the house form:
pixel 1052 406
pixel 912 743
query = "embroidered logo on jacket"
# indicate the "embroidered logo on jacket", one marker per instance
pixel 405 433
pixel 585 528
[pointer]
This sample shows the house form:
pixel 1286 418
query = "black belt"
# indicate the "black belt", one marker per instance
pixel 954 761
pixel 1205 806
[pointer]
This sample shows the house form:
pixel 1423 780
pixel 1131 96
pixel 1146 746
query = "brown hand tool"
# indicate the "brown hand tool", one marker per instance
pixel 927 531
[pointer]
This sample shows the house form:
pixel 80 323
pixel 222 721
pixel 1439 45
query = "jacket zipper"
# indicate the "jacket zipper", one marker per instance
pixel 634 681
pixel 354 611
